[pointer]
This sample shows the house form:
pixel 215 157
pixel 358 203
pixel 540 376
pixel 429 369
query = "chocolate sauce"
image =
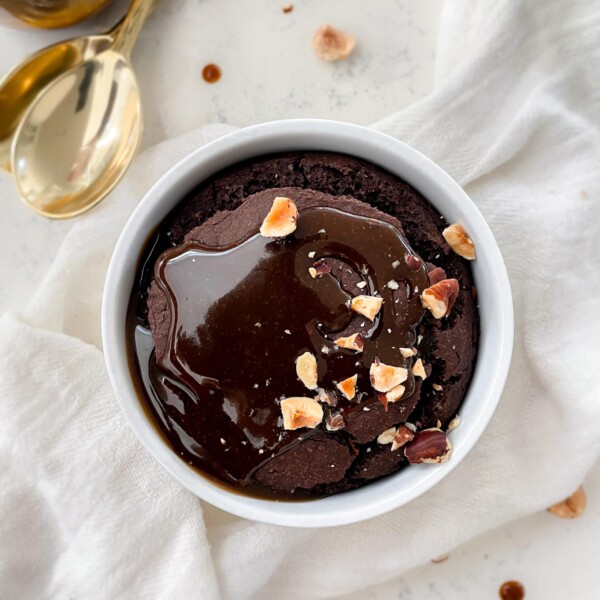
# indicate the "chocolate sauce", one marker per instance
pixel 239 316
pixel 512 590
pixel 211 73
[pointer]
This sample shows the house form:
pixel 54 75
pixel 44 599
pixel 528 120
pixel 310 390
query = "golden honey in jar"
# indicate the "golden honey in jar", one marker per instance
pixel 52 13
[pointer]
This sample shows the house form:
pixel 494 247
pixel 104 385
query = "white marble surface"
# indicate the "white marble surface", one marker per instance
pixel 270 72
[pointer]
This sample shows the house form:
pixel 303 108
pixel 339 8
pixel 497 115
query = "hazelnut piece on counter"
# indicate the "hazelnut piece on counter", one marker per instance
pixel 331 44
pixel 281 220
pixel 301 412
pixel 402 437
pixel 440 559
pixel 418 370
pixel 348 387
pixel 428 446
pixel 572 507
pixel 440 297
pixel 385 377
pixel 459 241
pixel 351 342
pixel 367 306
pixel 306 369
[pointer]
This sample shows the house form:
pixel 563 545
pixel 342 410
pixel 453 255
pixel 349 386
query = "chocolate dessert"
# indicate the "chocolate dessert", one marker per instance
pixel 303 324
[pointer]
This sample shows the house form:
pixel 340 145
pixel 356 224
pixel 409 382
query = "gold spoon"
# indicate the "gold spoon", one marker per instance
pixel 80 134
pixel 19 87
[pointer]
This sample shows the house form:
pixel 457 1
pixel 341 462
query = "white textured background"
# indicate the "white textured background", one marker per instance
pixel 270 72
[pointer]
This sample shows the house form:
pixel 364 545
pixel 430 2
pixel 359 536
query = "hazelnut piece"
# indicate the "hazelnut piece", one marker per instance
pixel 301 412
pixel 413 262
pixel 385 377
pixel 348 387
pixel 331 44
pixel 281 220
pixel 368 306
pixel 395 393
pixel 453 424
pixel 334 422
pixel 572 507
pixel 459 241
pixel 319 268
pixel 440 559
pixel 428 446
pixel 408 352
pixel 352 342
pixel 402 437
pixel 436 275
pixel 306 369
pixel 326 397
pixel 418 370
pixel 440 297
pixel 387 436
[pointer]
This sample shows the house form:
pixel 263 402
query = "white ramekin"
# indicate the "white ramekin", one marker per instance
pixel 495 309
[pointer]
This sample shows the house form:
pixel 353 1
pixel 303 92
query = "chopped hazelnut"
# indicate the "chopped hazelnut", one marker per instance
pixel 319 268
pixel 306 369
pixel 334 422
pixel 368 306
pixel 453 424
pixel 352 342
pixel 440 559
pixel 572 507
pixel 385 377
pixel 395 393
pixel 459 241
pixel 440 297
pixel 402 437
pixel 312 272
pixel 348 387
pixel 281 220
pixel 387 436
pixel 418 370
pixel 301 412
pixel 408 352
pixel 437 387
pixel 331 44
pixel 326 397
pixel 436 275
pixel 414 262
pixel 428 446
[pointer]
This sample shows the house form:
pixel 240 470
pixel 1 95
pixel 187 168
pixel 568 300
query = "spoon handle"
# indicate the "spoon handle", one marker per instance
pixel 129 29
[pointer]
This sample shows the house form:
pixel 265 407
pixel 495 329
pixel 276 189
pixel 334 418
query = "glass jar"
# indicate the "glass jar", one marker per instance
pixel 50 14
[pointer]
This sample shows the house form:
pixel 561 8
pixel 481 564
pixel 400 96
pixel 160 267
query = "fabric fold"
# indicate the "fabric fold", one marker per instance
pixel 85 512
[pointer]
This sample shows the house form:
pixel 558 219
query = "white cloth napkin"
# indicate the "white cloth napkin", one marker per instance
pixel 86 513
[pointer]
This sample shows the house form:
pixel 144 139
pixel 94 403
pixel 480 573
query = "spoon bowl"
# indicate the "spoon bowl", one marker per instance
pixel 78 137
pixel 80 134
pixel 22 85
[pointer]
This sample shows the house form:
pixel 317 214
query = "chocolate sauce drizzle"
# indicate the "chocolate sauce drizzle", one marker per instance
pixel 239 316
